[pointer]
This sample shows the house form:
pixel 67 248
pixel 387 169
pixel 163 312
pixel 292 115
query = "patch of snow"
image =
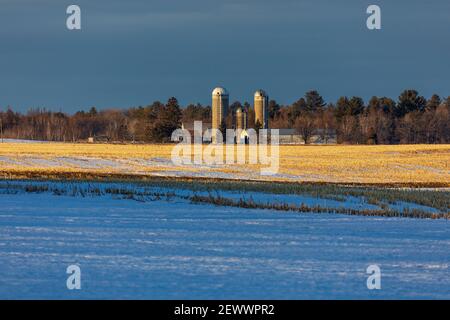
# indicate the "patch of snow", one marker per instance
pixel 177 250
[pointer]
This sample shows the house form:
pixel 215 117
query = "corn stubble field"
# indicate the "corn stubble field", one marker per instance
pixel 391 181
pixel 402 165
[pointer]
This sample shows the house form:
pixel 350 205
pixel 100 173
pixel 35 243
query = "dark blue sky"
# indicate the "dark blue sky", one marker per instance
pixel 132 53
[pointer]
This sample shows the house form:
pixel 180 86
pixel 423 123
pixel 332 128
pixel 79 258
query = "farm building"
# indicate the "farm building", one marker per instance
pixel 321 136
pixel 190 127
pixel 98 139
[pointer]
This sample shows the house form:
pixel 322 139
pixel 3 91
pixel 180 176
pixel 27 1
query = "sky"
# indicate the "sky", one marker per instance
pixel 131 53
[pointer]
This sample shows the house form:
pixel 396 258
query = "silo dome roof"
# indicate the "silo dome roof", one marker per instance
pixel 220 91
pixel 260 93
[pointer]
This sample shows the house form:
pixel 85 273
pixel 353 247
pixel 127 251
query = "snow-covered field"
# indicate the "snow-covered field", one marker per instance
pixel 22 141
pixel 174 249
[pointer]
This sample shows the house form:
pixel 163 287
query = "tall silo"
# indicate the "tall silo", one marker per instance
pixel 220 100
pixel 261 108
pixel 241 119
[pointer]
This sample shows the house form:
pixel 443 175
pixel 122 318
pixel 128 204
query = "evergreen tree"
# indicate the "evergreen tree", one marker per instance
pixel 274 109
pixel 355 106
pixel 314 101
pixel 433 103
pixel 342 107
pixel 409 101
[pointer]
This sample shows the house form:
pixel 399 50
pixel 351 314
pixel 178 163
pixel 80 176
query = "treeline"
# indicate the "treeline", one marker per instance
pixel 410 119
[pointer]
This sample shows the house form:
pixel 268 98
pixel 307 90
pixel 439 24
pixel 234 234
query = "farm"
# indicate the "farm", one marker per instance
pixel 224 150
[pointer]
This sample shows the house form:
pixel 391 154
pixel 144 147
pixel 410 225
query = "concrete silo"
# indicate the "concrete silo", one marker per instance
pixel 241 119
pixel 261 108
pixel 220 100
